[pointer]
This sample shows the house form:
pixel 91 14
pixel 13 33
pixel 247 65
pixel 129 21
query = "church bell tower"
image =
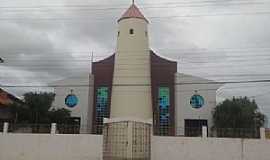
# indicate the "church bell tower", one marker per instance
pixel 131 92
pixel 127 133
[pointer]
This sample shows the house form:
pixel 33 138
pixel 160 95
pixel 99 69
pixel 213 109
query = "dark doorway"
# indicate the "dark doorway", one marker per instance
pixel 193 127
pixel 70 126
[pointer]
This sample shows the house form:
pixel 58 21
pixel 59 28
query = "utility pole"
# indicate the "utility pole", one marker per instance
pixel 92 61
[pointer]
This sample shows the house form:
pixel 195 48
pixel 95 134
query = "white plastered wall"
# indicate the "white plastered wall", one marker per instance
pixel 178 148
pixel 132 68
pixel 184 92
pixel 50 147
pixel 84 92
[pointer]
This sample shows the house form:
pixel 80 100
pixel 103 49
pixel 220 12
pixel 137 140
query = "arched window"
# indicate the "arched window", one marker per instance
pixel 131 31
pixel 118 34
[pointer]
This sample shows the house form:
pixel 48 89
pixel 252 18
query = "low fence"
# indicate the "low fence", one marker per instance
pixel 235 132
pixel 178 132
pixel 211 132
pixel 29 128
pixel 44 128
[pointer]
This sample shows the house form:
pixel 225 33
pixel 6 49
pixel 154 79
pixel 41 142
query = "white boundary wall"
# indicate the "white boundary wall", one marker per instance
pixel 50 147
pixel 178 148
pixel 89 147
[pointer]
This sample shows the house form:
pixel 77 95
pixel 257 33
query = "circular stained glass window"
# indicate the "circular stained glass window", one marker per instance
pixel 71 100
pixel 197 101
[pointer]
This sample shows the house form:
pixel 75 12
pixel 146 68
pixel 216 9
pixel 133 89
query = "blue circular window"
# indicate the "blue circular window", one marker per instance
pixel 197 101
pixel 71 100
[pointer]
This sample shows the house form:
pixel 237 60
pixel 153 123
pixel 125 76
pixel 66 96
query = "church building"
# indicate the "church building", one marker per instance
pixel 137 82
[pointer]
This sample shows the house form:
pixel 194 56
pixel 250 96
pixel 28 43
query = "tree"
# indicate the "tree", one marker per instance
pixel 36 109
pixel 59 116
pixel 238 113
pixel 39 105
pixel 20 112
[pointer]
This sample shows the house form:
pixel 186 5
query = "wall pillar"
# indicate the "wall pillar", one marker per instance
pixel 204 132
pixel 5 128
pixel 262 133
pixel 53 128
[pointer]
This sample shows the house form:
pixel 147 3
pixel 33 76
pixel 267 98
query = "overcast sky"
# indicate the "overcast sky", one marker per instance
pixel 224 40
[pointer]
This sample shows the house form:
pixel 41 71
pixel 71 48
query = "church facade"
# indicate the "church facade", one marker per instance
pixel 136 80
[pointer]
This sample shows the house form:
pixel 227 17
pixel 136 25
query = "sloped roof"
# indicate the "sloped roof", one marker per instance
pixel 4 99
pixel 7 98
pixel 133 12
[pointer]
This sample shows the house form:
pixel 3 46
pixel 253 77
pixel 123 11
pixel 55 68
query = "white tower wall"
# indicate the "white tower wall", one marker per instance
pixel 131 93
pixel 127 133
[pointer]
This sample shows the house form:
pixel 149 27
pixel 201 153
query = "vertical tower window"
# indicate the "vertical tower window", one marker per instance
pixel 118 34
pixel 131 31
pixel 163 106
pixel 101 107
pixel 146 33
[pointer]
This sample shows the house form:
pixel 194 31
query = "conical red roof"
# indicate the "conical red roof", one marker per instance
pixel 133 12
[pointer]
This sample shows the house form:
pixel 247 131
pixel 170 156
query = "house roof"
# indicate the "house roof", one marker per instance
pixel 4 99
pixel 7 98
pixel 133 12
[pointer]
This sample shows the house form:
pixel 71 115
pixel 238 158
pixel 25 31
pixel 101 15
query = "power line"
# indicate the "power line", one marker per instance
pixel 153 18
pixel 195 50
pixel 142 64
pixel 83 8
pixel 141 5
pixel 225 76
pixel 167 54
pixel 194 67
pixel 134 85
pixel 260 95
pixel 184 55
pixel 244 87
pixel 185 59
pixel 206 59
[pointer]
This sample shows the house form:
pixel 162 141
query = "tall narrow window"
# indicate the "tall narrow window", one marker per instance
pixel 101 107
pixel 131 31
pixel 164 114
pixel 118 34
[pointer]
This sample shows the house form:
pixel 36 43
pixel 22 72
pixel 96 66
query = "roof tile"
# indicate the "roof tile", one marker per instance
pixel 133 12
